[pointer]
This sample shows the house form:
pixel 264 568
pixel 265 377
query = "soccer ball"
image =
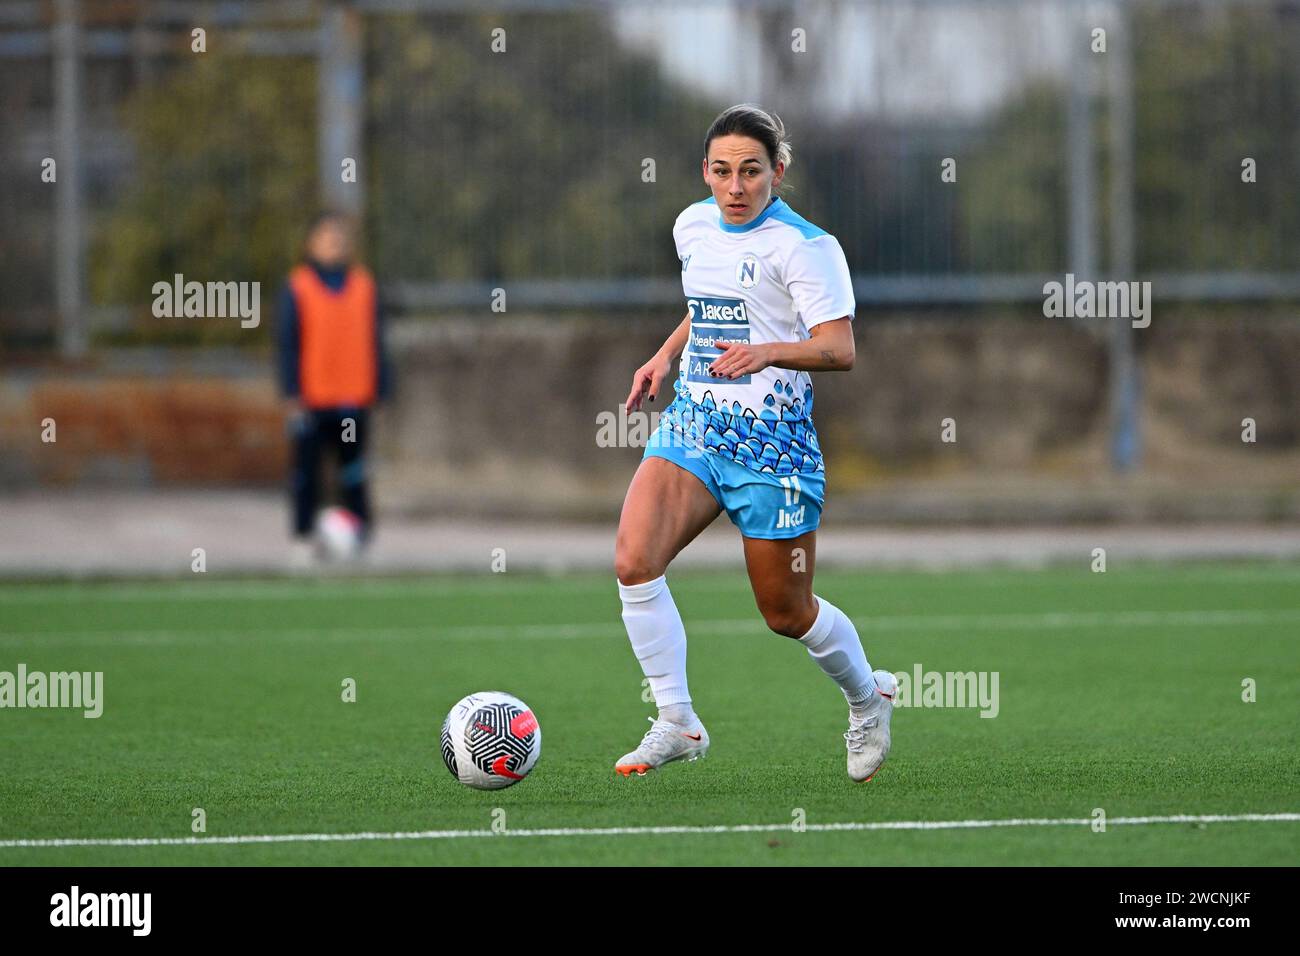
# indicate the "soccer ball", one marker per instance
pixel 490 740
pixel 339 532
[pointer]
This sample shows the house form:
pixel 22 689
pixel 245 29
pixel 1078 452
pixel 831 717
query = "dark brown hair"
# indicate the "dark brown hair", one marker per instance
pixel 746 119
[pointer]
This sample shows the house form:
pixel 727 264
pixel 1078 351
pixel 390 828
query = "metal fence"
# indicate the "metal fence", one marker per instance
pixel 545 146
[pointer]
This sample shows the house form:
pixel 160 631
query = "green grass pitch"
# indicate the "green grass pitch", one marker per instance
pixel 1120 691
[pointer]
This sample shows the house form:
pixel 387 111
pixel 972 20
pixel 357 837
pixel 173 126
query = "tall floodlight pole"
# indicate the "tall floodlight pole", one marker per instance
pixel 1125 375
pixel 1081 175
pixel 340 108
pixel 69 222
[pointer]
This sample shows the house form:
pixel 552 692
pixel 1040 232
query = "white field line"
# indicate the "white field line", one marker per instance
pixel 648 831
pixel 1046 621
pixel 321 589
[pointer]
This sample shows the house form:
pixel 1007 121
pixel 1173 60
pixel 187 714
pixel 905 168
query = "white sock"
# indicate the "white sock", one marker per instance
pixel 659 642
pixel 833 643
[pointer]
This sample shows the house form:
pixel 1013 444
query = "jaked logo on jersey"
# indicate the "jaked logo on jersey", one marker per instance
pixel 717 311
pixel 712 321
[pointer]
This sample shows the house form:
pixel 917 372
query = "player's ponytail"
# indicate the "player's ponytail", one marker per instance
pixel 747 119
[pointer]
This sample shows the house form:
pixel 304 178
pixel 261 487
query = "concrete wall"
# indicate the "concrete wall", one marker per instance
pixel 501 415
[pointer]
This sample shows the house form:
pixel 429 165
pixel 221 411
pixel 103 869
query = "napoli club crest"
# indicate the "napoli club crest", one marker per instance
pixel 748 273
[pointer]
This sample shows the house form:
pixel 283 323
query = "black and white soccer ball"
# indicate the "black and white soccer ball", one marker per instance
pixel 490 740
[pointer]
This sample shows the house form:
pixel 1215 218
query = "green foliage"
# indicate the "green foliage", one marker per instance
pixel 1014 196
pixel 224 177
pixel 1213 87
pixel 482 165
pixel 478 165
pixel 524 163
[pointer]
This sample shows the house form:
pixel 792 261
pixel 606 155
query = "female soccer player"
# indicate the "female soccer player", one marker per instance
pixel 768 300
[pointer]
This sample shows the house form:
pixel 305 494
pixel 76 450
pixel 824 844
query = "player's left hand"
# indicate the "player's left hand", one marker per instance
pixel 739 359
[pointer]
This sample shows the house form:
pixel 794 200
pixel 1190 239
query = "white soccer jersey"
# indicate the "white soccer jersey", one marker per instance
pixel 769 280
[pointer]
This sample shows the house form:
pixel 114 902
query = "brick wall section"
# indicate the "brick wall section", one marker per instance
pixel 145 431
pixel 496 409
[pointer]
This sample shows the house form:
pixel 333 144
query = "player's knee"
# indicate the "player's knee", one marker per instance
pixel 634 569
pixel 631 562
pixel 789 619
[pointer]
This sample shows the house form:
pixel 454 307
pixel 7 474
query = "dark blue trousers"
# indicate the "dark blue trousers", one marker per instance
pixel 319 434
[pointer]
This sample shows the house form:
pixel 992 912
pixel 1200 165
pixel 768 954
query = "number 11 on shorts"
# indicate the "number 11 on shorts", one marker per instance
pixel 792 489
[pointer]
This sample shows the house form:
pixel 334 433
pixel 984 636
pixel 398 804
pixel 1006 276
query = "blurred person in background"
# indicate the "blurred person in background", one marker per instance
pixel 332 370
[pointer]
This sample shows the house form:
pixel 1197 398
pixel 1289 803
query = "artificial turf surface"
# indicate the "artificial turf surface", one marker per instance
pixel 1120 691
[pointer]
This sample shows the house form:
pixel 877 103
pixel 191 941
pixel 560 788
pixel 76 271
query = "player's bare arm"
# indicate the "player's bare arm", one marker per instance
pixel 829 350
pixel 648 379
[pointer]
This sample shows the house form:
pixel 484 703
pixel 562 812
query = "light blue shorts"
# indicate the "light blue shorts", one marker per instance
pixel 760 504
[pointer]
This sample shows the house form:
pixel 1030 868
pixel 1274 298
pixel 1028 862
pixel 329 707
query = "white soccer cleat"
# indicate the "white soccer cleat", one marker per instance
pixel 868 734
pixel 663 743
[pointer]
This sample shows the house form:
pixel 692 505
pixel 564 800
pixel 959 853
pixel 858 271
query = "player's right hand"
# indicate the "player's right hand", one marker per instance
pixel 647 380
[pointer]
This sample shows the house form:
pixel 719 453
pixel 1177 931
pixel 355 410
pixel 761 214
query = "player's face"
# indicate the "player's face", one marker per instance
pixel 741 176
pixel 329 244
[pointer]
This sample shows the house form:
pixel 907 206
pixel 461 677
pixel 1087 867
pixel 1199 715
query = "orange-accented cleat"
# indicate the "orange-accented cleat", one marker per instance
pixel 663 743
